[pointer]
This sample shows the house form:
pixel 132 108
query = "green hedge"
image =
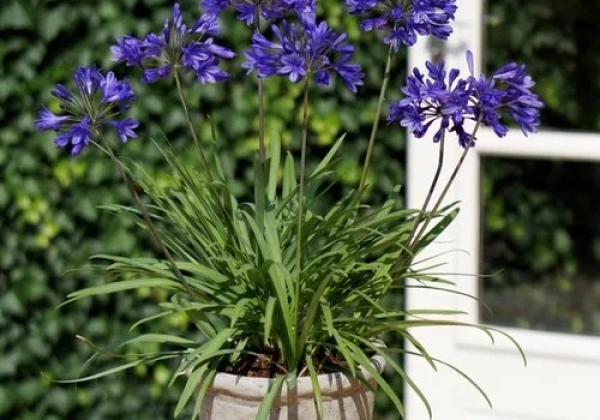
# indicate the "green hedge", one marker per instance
pixel 49 216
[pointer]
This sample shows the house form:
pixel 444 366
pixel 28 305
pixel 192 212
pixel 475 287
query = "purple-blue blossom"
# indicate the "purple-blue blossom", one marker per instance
pixel 401 21
pixel 96 104
pixel 519 102
pixel 177 48
pixel 303 50
pixel 249 10
pixel 443 98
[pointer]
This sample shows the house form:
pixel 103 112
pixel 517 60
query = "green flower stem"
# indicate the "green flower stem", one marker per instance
pixel 261 103
pixel 201 152
pixel 382 92
pixel 449 183
pixel 436 178
pixel 301 193
pixel 188 119
pixel 261 121
pixel 302 172
pixel 142 209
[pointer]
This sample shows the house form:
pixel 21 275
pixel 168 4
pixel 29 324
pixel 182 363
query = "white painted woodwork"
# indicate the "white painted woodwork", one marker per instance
pixel 562 378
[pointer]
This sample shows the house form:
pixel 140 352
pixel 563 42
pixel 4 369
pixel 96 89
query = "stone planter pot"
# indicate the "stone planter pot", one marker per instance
pixel 234 397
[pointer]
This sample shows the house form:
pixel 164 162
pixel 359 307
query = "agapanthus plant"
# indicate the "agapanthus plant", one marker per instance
pixel 278 282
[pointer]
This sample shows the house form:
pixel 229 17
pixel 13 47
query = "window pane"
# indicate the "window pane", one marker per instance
pixel 558 42
pixel 541 241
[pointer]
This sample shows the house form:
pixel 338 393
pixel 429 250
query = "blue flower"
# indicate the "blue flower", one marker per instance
pixel 50 121
pixel 249 10
pixel 523 106
pixel 87 79
pixel 99 99
pixel 177 48
pixel 304 49
pixel 432 99
pixel 129 49
pixel 77 136
pixel 126 128
pixel 403 20
pixel 114 90
pixel 61 93
pixel 451 101
pixel 508 91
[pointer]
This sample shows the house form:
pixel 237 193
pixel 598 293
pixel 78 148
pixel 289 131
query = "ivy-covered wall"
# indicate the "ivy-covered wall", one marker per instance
pixel 49 216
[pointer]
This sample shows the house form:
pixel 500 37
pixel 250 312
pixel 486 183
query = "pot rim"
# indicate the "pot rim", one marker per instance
pixel 334 384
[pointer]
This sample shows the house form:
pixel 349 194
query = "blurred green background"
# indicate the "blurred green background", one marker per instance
pixel 540 217
pixel 49 216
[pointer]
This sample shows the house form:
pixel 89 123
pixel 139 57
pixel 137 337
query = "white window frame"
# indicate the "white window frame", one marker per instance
pixel 464 234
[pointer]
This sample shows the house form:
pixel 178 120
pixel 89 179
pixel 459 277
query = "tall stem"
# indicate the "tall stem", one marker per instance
pixel 302 181
pixel 436 177
pixel 450 181
pixel 205 163
pixel 142 209
pixel 382 92
pixel 261 121
pixel 188 119
pixel 261 104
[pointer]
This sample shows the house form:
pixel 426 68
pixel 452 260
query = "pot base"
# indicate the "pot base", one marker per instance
pixel 234 397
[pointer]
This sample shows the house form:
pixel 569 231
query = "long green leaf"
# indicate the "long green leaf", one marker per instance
pixel 460 372
pixel 202 271
pixel 312 311
pixel 289 183
pixel 266 404
pixel 205 384
pixel 150 318
pixel 114 370
pixel 160 338
pixel 149 265
pixel 259 193
pixel 192 382
pixel 269 314
pixel 120 286
pixel 314 380
pixel 198 357
pixel 275 162
pixel 361 358
pixel 328 157
pixel 398 369
pixel 341 344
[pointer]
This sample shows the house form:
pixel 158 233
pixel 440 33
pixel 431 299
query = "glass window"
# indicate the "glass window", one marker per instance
pixel 540 244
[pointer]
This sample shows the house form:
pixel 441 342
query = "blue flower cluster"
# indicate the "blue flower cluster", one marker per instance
pixel 298 50
pixel 250 10
pixel 177 48
pixel 301 50
pixel 452 102
pixel 98 101
pixel 403 20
